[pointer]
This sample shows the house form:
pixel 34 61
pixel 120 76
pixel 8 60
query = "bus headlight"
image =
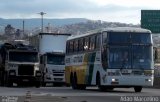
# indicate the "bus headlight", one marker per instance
pixel 114 80
pixel 148 80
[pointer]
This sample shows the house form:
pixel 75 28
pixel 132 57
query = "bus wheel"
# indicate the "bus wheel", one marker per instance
pixel 74 82
pixel 98 82
pixel 138 88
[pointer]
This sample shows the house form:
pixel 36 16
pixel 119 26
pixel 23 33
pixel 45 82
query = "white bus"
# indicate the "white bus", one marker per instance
pixel 110 58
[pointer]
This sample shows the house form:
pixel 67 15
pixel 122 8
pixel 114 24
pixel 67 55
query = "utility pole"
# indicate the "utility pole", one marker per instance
pixel 42 13
pixel 23 27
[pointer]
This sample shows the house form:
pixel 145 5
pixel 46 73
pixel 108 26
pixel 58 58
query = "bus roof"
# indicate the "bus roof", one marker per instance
pixel 115 29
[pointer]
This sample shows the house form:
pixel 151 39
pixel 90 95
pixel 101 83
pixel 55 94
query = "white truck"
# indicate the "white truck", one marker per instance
pixel 52 48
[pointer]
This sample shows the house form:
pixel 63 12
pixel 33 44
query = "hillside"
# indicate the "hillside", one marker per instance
pixel 83 27
pixel 36 22
pixel 72 26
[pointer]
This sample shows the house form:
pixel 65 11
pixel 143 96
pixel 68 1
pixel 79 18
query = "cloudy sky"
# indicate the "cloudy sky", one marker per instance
pixel 126 11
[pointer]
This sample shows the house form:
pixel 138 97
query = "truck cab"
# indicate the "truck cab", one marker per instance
pixel 20 65
pixel 53 68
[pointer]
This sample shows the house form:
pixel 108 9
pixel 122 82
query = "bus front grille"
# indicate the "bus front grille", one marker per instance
pixel 26 70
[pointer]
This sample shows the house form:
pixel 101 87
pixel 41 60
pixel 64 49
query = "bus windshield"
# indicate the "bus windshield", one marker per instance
pixel 55 59
pixel 119 57
pixel 130 50
pixel 142 57
pixel 23 56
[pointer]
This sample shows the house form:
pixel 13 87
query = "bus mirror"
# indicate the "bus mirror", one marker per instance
pixel 155 55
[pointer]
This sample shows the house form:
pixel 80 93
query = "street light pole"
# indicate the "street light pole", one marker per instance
pixel 23 27
pixel 42 13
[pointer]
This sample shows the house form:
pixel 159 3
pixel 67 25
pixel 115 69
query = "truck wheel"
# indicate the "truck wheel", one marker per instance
pixel 44 84
pixel 10 83
pixel 2 82
pixel 7 80
pixel 37 84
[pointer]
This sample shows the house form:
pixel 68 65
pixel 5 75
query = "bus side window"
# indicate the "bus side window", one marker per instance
pixel 81 44
pixel 104 38
pixel 92 43
pixel 71 47
pixel 86 45
pixel 97 41
pixel 75 45
pixel 41 59
pixel 67 48
pixel 104 57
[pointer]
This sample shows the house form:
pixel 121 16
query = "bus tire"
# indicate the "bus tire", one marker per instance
pixel 98 82
pixel 74 82
pixel 138 88
pixel 98 79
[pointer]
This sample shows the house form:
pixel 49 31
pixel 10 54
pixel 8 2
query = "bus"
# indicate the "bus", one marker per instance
pixel 120 57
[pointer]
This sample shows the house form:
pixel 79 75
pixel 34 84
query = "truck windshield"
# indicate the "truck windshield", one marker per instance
pixel 23 56
pixel 55 59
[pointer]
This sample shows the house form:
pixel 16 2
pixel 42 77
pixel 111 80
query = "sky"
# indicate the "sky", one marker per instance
pixel 125 11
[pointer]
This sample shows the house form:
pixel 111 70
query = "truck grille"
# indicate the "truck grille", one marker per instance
pixel 58 73
pixel 26 70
